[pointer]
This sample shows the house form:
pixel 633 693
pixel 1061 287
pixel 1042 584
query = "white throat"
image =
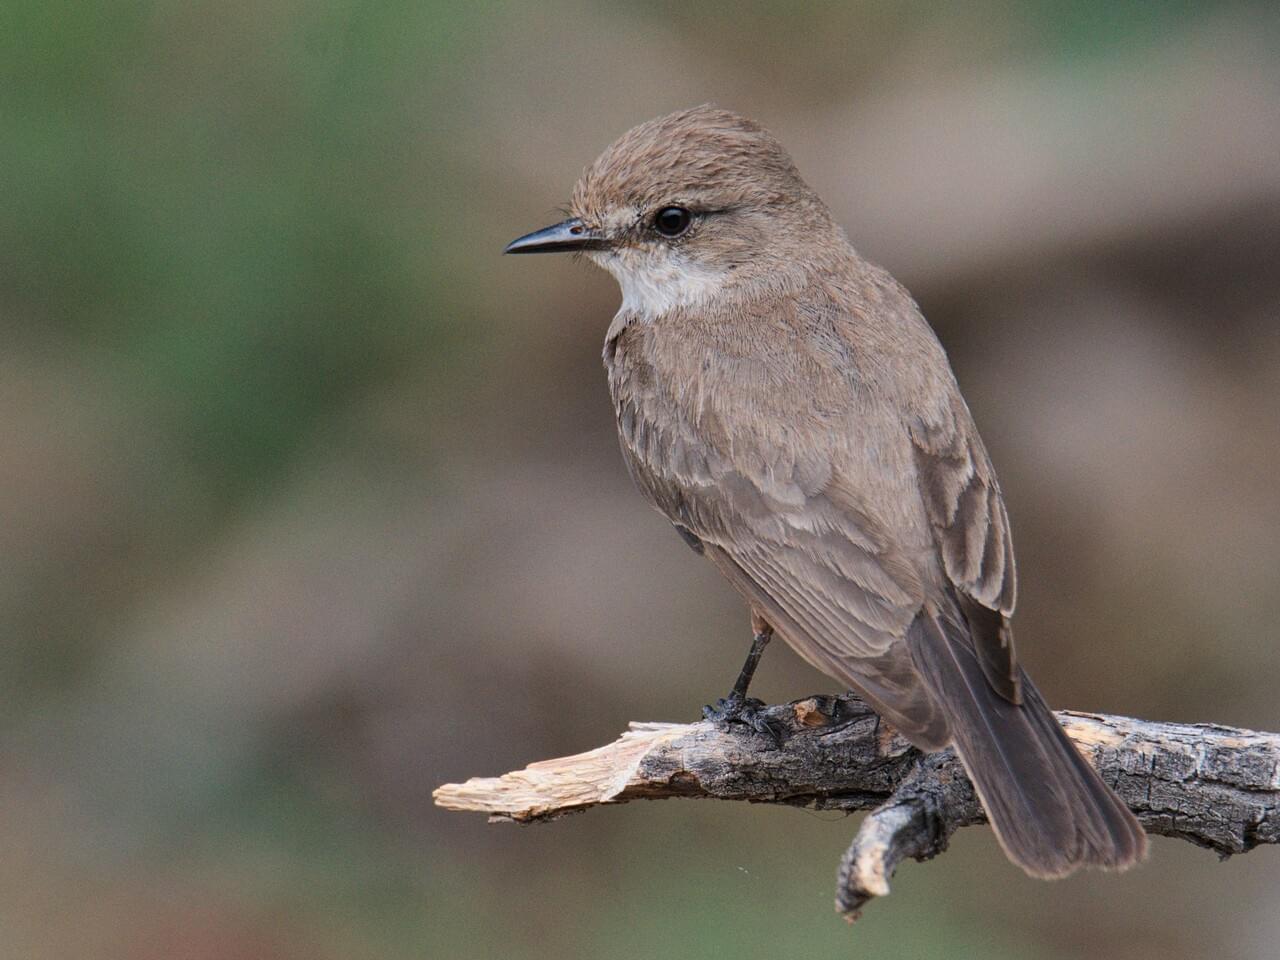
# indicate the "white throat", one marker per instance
pixel 654 283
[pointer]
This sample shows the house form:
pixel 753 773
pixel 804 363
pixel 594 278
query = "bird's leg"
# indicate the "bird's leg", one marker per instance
pixel 737 707
pixel 759 640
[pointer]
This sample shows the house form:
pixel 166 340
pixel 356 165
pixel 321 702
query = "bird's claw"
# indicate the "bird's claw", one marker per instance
pixel 745 710
pixel 731 709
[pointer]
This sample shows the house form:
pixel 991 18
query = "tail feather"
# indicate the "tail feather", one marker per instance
pixel 1049 808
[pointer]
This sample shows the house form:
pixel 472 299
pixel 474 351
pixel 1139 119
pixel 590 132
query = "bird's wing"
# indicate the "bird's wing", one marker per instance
pixel 791 536
pixel 846 628
pixel 967 514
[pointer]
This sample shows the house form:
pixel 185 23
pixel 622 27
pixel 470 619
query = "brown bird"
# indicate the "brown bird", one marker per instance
pixel 785 405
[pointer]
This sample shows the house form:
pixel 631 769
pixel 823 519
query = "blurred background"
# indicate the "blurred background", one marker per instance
pixel 311 501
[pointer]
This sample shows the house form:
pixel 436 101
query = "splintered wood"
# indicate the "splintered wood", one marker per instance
pixel 548 788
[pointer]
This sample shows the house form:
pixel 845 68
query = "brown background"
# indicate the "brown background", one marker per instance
pixel 311 501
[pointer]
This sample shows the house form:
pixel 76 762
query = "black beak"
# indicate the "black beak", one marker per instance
pixel 561 238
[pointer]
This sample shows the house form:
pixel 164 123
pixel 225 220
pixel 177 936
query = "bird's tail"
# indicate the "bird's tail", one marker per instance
pixel 1049 808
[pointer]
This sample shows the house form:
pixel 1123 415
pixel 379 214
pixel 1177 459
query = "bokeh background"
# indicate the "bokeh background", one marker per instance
pixel 310 501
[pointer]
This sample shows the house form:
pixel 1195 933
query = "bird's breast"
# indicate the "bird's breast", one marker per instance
pixel 694 415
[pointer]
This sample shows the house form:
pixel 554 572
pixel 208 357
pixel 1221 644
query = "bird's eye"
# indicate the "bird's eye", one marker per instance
pixel 671 222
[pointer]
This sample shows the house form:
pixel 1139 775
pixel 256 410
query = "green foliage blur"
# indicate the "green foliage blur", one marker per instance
pixel 311 500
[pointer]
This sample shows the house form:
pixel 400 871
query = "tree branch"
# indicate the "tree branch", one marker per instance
pixel 1217 787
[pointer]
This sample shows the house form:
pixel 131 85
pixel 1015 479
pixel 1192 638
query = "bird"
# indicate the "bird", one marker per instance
pixel 785 405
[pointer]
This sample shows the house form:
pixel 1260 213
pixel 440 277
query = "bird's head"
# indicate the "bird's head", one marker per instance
pixel 698 203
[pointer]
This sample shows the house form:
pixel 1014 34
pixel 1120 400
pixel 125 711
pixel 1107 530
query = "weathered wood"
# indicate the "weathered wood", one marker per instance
pixel 1217 787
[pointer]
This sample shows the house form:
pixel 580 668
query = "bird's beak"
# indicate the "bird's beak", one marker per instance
pixel 560 238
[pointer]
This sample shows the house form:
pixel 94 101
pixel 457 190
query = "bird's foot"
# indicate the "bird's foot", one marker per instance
pixel 744 710
pixel 732 709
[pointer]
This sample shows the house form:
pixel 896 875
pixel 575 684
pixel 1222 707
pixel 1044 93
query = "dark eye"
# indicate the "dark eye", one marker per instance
pixel 672 221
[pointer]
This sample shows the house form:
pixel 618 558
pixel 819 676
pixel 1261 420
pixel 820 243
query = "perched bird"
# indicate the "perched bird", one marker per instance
pixel 785 405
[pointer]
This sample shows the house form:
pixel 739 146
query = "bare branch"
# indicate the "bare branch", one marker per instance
pixel 1217 787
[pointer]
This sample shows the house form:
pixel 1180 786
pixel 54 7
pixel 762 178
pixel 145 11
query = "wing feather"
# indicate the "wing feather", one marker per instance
pixel 969 521
pixel 966 511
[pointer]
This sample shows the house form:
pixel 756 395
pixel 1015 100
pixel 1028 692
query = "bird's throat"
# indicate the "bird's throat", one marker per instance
pixel 654 284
